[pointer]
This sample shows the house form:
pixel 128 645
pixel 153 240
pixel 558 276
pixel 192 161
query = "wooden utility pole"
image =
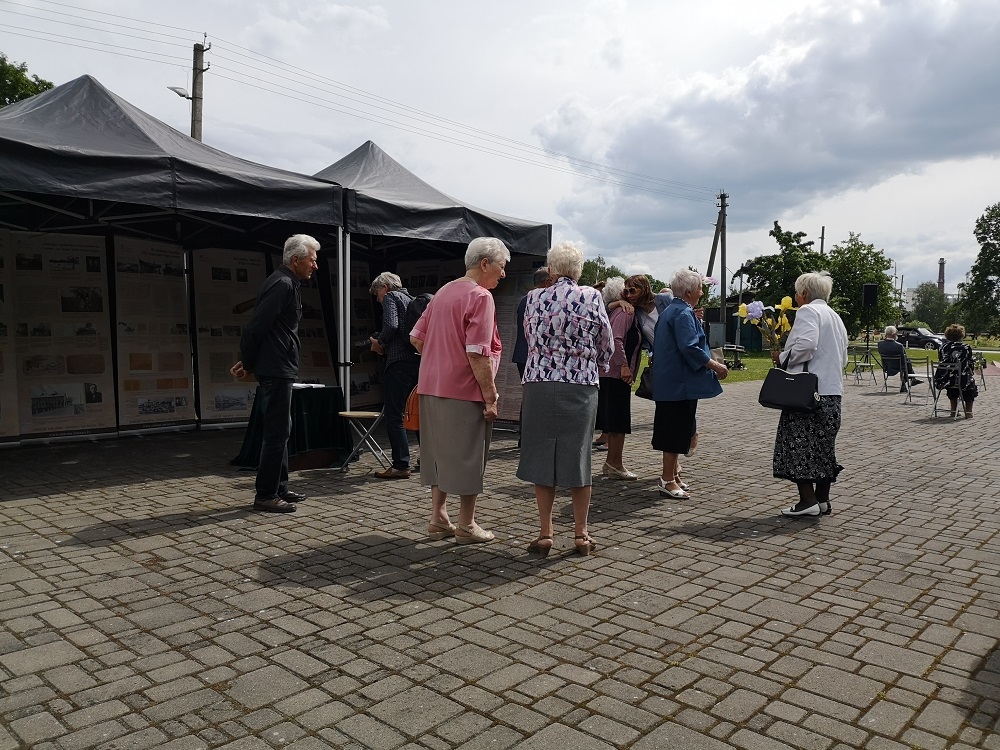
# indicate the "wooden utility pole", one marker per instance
pixel 198 89
pixel 720 241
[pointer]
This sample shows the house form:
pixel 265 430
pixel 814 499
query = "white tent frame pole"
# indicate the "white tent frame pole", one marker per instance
pixel 344 313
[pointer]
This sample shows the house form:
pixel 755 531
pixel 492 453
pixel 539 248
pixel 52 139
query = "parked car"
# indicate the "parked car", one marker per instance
pixel 919 338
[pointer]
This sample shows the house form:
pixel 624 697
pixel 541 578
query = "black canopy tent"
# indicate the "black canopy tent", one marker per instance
pixel 387 202
pixel 390 213
pixel 78 158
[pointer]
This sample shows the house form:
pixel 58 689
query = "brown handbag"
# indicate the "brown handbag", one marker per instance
pixel 411 412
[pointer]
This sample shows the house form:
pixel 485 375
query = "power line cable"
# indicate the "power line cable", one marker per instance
pixel 517 144
pixel 256 84
pixel 494 141
pixel 101 13
pixel 95 49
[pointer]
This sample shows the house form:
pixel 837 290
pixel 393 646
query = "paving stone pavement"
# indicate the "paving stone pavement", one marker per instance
pixel 144 605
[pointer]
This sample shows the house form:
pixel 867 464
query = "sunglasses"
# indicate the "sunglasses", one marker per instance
pixel 632 290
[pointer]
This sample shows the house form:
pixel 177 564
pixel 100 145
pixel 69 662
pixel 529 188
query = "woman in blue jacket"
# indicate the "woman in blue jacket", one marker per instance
pixel 683 372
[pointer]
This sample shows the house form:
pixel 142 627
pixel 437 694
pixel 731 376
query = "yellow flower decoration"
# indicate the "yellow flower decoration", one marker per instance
pixel 743 310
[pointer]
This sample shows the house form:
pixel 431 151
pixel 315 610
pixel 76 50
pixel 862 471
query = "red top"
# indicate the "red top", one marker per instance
pixel 461 319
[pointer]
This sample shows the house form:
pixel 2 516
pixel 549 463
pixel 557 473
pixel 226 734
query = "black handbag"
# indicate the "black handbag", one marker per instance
pixel 790 391
pixel 645 389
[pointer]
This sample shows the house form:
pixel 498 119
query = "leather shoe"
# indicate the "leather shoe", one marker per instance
pixel 392 473
pixel 273 505
pixel 812 510
pixel 292 497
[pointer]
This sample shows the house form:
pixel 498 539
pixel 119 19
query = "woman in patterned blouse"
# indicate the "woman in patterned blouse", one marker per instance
pixel 569 343
pixel 958 383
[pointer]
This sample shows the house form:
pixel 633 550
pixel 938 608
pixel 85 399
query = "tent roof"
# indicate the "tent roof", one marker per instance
pixel 81 141
pixel 387 199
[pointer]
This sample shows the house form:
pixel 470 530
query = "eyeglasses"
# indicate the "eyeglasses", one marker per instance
pixel 632 290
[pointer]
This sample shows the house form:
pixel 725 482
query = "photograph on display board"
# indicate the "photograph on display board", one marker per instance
pixel 153 340
pixel 8 385
pixel 366 384
pixel 226 283
pixel 62 342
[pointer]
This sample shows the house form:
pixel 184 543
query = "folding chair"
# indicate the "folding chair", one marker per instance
pixel 356 421
pixel 935 368
pixel 896 365
pixel 866 364
pixel 981 367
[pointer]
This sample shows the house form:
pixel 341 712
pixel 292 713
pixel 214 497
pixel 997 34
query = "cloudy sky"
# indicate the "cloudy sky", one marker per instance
pixel 617 121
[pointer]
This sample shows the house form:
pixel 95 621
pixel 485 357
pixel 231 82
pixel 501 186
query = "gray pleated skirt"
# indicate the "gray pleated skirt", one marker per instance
pixel 557 429
pixel 454 445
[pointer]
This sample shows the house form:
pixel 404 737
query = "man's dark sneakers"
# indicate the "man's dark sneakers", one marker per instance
pixel 292 497
pixel 273 505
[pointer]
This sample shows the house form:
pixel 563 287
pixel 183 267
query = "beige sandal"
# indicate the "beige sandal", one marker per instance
pixel 438 531
pixel 472 535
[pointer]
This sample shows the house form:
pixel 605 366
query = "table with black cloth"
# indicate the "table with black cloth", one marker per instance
pixel 319 433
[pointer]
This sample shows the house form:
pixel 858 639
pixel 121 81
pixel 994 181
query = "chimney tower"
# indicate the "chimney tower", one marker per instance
pixel 941 275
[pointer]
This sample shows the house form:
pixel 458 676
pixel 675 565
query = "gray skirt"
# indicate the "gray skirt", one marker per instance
pixel 557 428
pixel 454 444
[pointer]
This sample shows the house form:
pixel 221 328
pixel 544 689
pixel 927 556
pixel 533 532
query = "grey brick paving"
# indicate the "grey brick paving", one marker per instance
pixel 145 606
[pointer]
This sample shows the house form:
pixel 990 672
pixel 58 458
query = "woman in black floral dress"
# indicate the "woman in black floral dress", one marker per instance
pixel 963 382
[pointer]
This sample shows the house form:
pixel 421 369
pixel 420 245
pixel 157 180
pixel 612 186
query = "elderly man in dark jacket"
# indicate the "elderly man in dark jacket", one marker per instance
pixel 893 356
pixel 269 349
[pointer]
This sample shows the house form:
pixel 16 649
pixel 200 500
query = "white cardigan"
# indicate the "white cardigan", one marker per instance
pixel 819 338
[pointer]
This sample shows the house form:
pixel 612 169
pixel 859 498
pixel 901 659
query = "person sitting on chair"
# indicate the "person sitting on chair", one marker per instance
pixel 893 354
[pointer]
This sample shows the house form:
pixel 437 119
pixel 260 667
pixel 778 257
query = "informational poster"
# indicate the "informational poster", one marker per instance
pixel 226 283
pixel 315 362
pixel 155 374
pixel 366 374
pixel 420 276
pixel 8 374
pixel 65 384
pixel 518 282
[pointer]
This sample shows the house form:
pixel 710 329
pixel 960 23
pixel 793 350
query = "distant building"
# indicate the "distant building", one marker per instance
pixel 908 297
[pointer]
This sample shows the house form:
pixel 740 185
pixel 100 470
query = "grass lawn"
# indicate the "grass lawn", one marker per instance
pixel 758 363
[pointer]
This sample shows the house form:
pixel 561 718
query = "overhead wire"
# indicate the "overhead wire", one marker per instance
pixel 437 136
pixel 443 129
pixel 452 123
pixel 94 49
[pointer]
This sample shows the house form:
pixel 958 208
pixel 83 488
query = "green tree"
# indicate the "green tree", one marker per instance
pixel 930 304
pixel 773 276
pixel 16 84
pixel 598 270
pixel 852 264
pixel 980 304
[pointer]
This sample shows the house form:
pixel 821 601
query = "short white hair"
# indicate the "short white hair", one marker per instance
pixel 684 281
pixel 489 248
pixel 815 285
pixel 298 245
pixel 565 259
pixel 386 279
pixel 613 289
pixel 890 332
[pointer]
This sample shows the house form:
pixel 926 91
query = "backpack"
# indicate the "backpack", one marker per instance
pixel 413 312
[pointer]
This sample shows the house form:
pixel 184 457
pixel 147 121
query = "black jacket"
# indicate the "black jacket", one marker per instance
pixel 270 345
pixel 894 351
